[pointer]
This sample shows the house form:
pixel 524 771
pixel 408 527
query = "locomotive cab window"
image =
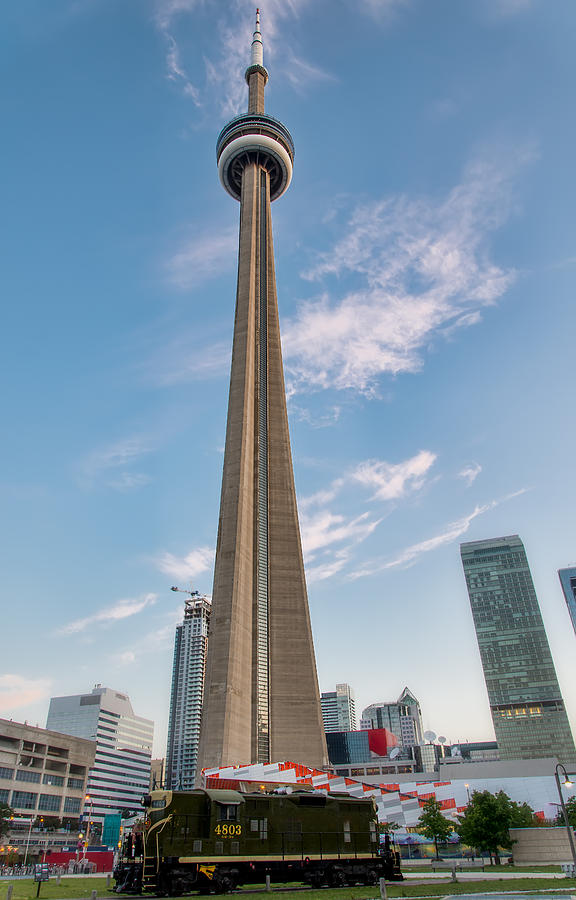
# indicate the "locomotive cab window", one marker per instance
pixel 227 812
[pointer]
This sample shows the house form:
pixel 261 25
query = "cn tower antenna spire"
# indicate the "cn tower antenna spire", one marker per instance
pixel 257 47
pixel 256 74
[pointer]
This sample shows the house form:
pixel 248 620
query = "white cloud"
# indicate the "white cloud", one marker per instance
pixel 329 567
pixel 395 480
pixel 325 528
pixel 451 533
pixel 96 468
pixel 470 473
pixel 420 270
pixel 17 691
pixel 185 568
pixel 321 498
pixel 202 257
pixel 176 363
pixel 123 609
pixel 129 481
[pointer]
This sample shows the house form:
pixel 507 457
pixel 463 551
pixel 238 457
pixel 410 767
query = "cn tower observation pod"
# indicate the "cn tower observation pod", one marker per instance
pixel 255 138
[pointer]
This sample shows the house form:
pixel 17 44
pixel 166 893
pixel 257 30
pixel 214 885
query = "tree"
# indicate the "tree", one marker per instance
pixel 6 813
pixel 523 816
pixel 387 827
pixel 570 812
pixel 433 824
pixel 485 824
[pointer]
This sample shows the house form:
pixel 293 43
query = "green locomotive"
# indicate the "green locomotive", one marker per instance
pixel 214 840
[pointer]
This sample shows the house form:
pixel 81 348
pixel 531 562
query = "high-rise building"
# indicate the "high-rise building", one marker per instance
pixel 402 717
pixel 568 582
pixel 527 708
pixel 188 671
pixel 339 709
pixel 121 771
pixel 261 698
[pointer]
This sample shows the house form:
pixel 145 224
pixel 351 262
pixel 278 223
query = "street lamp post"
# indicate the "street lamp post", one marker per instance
pixel 28 840
pixel 566 783
pixel 87 799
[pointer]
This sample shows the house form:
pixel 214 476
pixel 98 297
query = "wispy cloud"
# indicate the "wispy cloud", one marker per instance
pixel 422 271
pixel 108 465
pixel 185 568
pixel 326 528
pixel 123 609
pixel 185 358
pixel 201 257
pixel 451 533
pixel 395 480
pixel 151 643
pixel 329 538
pixel 330 567
pixel 17 691
pixel 470 473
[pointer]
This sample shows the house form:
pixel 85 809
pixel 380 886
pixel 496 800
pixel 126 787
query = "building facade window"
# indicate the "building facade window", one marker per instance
pixel 72 805
pixel 49 803
pixel 24 800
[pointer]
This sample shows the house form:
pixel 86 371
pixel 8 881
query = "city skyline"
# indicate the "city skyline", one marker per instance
pixel 425 304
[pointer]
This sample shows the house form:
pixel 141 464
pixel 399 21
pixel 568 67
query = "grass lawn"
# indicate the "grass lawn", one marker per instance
pixel 25 888
pixel 81 888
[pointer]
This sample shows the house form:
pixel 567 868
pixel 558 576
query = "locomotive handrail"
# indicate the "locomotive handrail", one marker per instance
pixel 163 823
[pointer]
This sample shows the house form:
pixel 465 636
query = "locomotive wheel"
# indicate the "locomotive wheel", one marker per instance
pixel 316 879
pixel 371 877
pixel 337 878
pixel 223 884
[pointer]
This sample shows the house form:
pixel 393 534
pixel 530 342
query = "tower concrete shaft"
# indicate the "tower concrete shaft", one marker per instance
pixel 261 700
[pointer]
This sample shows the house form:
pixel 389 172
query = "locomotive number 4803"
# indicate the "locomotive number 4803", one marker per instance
pixel 228 830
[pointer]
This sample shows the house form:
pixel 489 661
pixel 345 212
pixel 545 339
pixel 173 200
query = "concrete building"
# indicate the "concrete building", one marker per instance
pixel 339 709
pixel 261 698
pixel 190 646
pixel 121 771
pixel 527 708
pixel 402 717
pixel 568 582
pixel 43 775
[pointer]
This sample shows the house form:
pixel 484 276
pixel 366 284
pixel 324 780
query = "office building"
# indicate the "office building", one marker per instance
pixel 121 771
pixel 527 708
pixel 339 709
pixel 353 747
pixel 568 582
pixel 188 671
pixel 402 717
pixel 261 697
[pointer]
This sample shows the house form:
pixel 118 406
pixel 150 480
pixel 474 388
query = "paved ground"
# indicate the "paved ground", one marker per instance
pixel 480 876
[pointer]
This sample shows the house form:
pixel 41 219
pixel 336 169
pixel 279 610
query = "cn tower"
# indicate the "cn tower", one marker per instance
pixel 261 698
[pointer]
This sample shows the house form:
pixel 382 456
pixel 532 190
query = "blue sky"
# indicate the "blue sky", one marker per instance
pixel 425 265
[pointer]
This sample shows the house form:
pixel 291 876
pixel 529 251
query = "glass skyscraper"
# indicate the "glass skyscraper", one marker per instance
pixel 568 582
pixel 527 708
pixel 190 646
